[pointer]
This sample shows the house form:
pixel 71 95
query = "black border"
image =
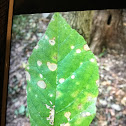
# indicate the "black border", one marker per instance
pixel 43 6
pixel 4 5
pixel 29 7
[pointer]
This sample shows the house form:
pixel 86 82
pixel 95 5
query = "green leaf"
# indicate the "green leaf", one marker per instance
pixel 61 78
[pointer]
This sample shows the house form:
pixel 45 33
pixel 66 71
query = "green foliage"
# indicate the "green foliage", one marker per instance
pixel 61 78
pixel 22 31
pixel 103 53
pixel 21 111
pixel 22 20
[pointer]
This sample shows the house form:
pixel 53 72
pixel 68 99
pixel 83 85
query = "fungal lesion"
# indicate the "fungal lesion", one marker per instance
pixel 72 47
pixel 89 98
pixel 97 82
pixel 78 51
pixel 39 63
pixel 50 102
pixel 92 60
pixel 51 116
pixel 79 106
pixel 41 84
pixel 72 76
pixel 46 37
pixel 28 77
pixel 41 76
pixel 52 41
pixel 50 95
pixel 52 66
pixel 85 114
pixel 86 47
pixel 54 57
pixel 65 124
pixel 61 80
pixel 67 115
pixel 58 94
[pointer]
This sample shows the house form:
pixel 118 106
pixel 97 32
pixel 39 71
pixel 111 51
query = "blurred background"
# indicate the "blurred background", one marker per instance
pixel 105 33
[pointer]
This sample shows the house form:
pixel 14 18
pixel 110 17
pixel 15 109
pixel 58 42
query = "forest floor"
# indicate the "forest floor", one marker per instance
pixel 111 102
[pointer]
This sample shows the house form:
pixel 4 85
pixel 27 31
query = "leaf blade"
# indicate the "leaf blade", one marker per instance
pixel 61 68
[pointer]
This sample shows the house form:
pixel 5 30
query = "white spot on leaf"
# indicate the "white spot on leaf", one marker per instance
pixel 81 63
pixel 46 37
pixel 88 113
pixel 52 66
pixel 50 102
pixel 52 41
pixel 61 80
pixel 67 115
pixel 84 114
pixel 41 84
pixel 51 95
pixel 52 19
pixel 29 89
pixel 36 95
pixel 67 124
pixel 39 63
pixel 47 106
pixel 73 76
pixel 72 47
pixel 36 47
pixel 40 75
pixel 79 106
pixel 78 51
pixel 86 48
pixel 27 76
pixel 58 94
pixel 62 124
pixel 97 82
pixel 92 60
pixel 89 98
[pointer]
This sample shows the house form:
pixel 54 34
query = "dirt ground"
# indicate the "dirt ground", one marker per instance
pixel 111 102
